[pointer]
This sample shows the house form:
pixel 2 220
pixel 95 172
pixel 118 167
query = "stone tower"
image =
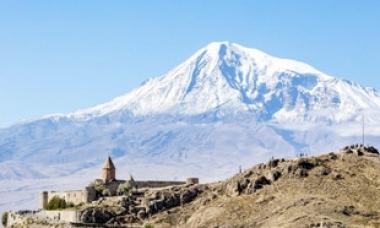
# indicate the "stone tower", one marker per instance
pixel 109 171
pixel 44 199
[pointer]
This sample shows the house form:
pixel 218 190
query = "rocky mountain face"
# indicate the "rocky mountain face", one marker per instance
pixel 332 190
pixel 226 106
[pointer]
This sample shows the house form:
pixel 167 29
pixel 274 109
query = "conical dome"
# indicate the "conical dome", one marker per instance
pixel 109 171
pixel 108 164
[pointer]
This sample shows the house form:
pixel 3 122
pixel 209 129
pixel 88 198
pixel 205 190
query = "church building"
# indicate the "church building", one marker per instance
pixel 109 171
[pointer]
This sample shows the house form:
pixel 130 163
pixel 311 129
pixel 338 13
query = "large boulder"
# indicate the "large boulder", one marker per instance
pixel 274 175
pixel 372 150
pixel 170 198
pixel 188 195
pixel 305 164
pixel 141 214
pixel 260 182
pixel 96 215
pixel 273 163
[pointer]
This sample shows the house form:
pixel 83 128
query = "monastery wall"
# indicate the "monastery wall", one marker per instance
pixel 63 215
pixel 157 184
pixel 75 196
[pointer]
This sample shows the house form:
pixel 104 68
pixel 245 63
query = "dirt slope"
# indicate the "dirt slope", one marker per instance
pixel 333 190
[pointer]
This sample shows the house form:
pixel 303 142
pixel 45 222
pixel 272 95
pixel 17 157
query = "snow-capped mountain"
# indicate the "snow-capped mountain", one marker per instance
pixel 226 106
pixel 226 76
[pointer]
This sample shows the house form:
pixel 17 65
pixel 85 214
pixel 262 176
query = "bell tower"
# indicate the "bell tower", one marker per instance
pixel 109 171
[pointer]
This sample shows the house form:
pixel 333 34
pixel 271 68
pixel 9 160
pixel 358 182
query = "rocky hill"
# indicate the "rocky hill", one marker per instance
pixel 340 189
pixel 332 190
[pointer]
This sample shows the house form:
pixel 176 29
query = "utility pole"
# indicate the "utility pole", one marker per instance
pixel 363 129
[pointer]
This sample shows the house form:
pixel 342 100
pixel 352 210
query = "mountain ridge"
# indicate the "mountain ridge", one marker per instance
pixel 233 78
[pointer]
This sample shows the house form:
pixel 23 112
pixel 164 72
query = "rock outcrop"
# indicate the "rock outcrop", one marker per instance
pixel 331 190
pixel 96 215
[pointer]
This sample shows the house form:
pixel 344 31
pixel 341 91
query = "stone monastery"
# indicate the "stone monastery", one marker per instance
pixel 108 185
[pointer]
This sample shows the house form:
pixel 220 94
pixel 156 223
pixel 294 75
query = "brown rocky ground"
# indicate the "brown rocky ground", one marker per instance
pixel 332 190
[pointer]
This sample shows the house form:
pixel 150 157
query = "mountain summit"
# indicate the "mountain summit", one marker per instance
pixel 230 78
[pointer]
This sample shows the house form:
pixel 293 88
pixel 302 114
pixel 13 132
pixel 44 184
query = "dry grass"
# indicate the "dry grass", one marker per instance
pixel 349 196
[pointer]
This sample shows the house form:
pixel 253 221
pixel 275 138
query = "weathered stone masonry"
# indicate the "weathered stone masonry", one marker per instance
pixel 109 179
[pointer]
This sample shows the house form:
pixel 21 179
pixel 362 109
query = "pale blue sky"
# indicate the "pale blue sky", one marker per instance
pixel 59 56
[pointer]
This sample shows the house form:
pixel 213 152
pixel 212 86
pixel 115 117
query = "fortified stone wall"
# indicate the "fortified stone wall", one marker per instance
pixel 63 215
pixel 36 218
pixel 88 195
pixel 161 184
pixel 75 196
pixel 14 218
pixel 157 184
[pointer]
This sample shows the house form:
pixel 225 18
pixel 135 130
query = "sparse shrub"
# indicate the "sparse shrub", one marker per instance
pixel 4 219
pixel 106 192
pixel 148 225
pixel 96 183
pixel 98 187
pixel 56 203
pixel 124 189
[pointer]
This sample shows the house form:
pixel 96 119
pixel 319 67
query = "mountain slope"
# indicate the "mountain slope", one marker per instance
pixel 226 76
